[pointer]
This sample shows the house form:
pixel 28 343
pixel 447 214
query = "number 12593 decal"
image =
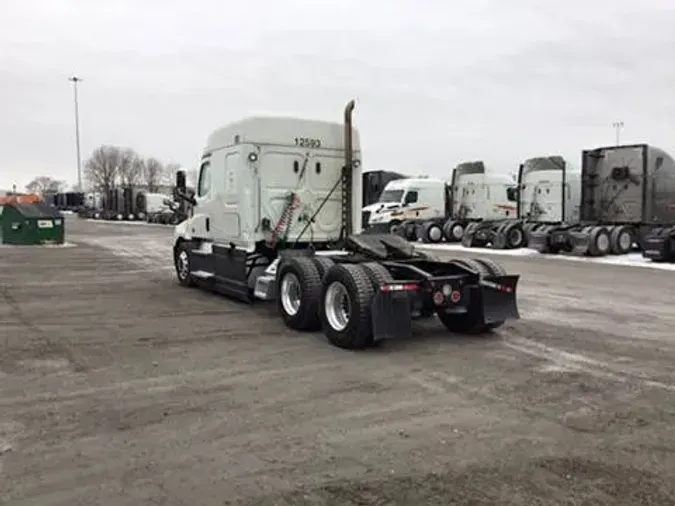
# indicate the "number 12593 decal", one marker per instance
pixel 305 142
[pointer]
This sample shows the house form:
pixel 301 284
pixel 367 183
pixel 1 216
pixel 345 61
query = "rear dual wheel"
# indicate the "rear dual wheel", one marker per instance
pixel 317 294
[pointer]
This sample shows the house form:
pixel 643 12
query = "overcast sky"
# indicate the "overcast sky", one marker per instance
pixel 436 82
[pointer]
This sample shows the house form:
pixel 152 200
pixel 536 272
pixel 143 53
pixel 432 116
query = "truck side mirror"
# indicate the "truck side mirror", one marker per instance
pixel 181 183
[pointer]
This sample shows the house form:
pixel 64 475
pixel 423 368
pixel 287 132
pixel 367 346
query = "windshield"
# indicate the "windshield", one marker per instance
pixel 391 196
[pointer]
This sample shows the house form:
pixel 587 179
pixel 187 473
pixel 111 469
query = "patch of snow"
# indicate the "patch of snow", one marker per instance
pixel 628 260
pixel 122 222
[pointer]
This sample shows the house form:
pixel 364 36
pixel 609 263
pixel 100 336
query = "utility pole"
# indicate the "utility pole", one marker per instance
pixel 75 80
pixel 618 125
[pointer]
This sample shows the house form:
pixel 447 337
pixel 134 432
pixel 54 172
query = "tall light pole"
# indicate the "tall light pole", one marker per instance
pixel 75 80
pixel 618 125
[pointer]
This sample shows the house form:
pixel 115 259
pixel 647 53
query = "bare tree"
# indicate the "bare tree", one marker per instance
pixel 129 168
pixel 102 168
pixel 153 174
pixel 44 184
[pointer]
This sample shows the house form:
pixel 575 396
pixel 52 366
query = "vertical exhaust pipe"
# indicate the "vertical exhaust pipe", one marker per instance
pixel 347 196
pixel 349 141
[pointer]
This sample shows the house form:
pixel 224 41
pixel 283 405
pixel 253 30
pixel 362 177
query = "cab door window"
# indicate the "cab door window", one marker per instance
pixel 410 197
pixel 204 185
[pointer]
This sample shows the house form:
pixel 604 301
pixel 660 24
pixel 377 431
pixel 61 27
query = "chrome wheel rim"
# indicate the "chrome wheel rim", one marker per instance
pixel 603 242
pixel 291 294
pixel 625 241
pixel 338 306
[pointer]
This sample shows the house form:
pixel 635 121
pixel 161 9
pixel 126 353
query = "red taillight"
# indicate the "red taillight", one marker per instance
pixel 439 298
pixel 403 287
pixel 455 297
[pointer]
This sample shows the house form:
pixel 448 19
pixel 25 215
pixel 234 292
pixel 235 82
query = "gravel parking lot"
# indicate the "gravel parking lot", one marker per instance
pixel 118 387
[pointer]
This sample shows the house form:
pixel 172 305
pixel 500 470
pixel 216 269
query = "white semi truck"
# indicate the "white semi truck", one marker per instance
pixel 277 216
pixel 408 199
pixel 548 194
pixel 442 210
pixel 427 204
pixel 626 199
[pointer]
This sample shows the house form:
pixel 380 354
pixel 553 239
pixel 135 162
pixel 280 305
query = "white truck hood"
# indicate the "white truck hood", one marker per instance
pixel 381 206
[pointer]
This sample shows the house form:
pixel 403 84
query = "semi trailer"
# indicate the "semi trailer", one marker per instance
pixel 66 201
pixel 547 195
pixel 626 199
pixel 276 217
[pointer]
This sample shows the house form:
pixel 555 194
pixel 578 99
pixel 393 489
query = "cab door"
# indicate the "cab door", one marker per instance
pixel 204 196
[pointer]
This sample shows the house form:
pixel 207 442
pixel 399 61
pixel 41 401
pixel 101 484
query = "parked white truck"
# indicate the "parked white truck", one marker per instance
pixel 441 210
pixel 407 199
pixel 277 216
pixel 548 194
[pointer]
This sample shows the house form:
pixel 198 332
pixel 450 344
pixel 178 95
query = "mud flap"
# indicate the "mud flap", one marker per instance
pixel 391 316
pixel 538 241
pixel 467 237
pixel 580 242
pixel 498 294
pixel 476 235
pixel 659 247
pixel 499 239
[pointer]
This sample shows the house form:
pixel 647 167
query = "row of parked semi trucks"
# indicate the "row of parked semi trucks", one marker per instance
pixel 621 199
pixel 122 204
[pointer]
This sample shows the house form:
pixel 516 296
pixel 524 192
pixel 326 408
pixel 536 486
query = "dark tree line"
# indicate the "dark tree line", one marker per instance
pixel 110 167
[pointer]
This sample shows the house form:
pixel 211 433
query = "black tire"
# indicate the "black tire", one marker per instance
pixel 453 231
pixel 409 230
pixel 495 268
pixel 322 264
pixel 515 236
pixel 358 332
pixel 474 265
pixel 621 239
pixel 302 274
pixel 181 262
pixel 600 244
pixel 400 230
pixel 433 232
pixel 377 273
pixel 394 226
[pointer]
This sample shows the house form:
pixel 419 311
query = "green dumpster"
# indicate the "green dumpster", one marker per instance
pixel 25 224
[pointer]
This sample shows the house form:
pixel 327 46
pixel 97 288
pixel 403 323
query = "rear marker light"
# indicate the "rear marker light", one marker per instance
pixel 455 297
pixel 439 298
pixel 407 287
pixel 496 286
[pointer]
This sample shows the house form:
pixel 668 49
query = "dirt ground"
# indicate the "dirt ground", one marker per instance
pixel 118 387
